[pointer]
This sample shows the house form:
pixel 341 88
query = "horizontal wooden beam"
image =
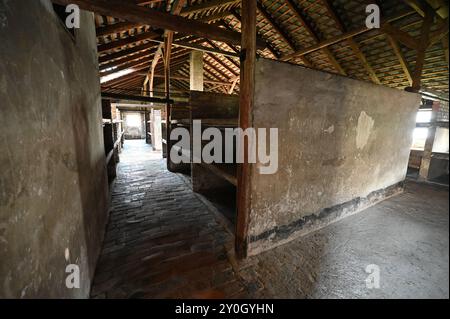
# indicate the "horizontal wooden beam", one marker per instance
pixel 125 26
pixel 138 98
pixel 166 21
pixel 184 78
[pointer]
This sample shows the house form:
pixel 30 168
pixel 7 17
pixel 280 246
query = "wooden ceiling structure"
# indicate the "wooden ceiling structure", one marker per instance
pixel 409 50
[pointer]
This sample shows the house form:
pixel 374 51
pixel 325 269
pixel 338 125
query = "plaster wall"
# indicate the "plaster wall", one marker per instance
pixel 53 184
pixel 343 145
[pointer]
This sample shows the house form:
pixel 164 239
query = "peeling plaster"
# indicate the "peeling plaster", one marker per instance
pixel 364 129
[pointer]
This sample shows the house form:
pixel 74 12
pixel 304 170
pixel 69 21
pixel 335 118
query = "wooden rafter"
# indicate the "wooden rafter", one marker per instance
pixel 341 37
pixel 206 5
pixel 137 14
pixel 280 32
pixel 301 17
pixel 113 45
pixel 351 42
pixel 399 54
pixel 269 46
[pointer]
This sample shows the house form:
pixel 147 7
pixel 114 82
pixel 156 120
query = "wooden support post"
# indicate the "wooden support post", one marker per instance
pixel 428 149
pixel 247 88
pixel 167 53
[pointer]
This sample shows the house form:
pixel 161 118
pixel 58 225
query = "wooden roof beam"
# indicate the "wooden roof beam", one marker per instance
pixel 280 32
pixel 401 58
pixel 351 42
pixel 134 57
pixel 342 37
pixel 206 6
pixel 269 46
pixel 124 53
pixel 303 20
pixel 150 35
pixel 137 14
pixel 115 28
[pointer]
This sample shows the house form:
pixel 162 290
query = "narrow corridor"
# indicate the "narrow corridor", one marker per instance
pixel 161 240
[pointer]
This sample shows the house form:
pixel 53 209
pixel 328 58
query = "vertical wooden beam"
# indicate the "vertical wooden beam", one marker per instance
pixel 428 149
pixel 167 53
pixel 246 101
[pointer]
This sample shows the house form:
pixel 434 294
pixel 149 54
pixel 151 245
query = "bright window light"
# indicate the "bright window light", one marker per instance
pixel 133 120
pixel 116 75
pixel 423 116
pixel 419 138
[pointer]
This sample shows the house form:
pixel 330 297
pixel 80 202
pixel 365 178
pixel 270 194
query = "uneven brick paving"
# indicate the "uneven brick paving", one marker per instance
pixel 163 242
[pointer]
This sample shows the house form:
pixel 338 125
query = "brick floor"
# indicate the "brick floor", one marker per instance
pixel 163 242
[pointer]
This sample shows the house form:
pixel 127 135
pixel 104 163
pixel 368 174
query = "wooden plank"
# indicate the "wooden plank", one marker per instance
pixel 167 21
pixel 246 101
pixel 225 171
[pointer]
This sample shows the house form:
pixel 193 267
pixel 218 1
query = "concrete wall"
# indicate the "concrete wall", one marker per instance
pixel 53 187
pixel 343 145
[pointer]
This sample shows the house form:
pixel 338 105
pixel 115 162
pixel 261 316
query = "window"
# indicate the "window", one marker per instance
pixel 62 15
pixel 424 116
pixel 441 140
pixel 420 135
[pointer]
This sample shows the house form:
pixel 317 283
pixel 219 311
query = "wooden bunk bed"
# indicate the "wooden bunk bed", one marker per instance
pixel 215 181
